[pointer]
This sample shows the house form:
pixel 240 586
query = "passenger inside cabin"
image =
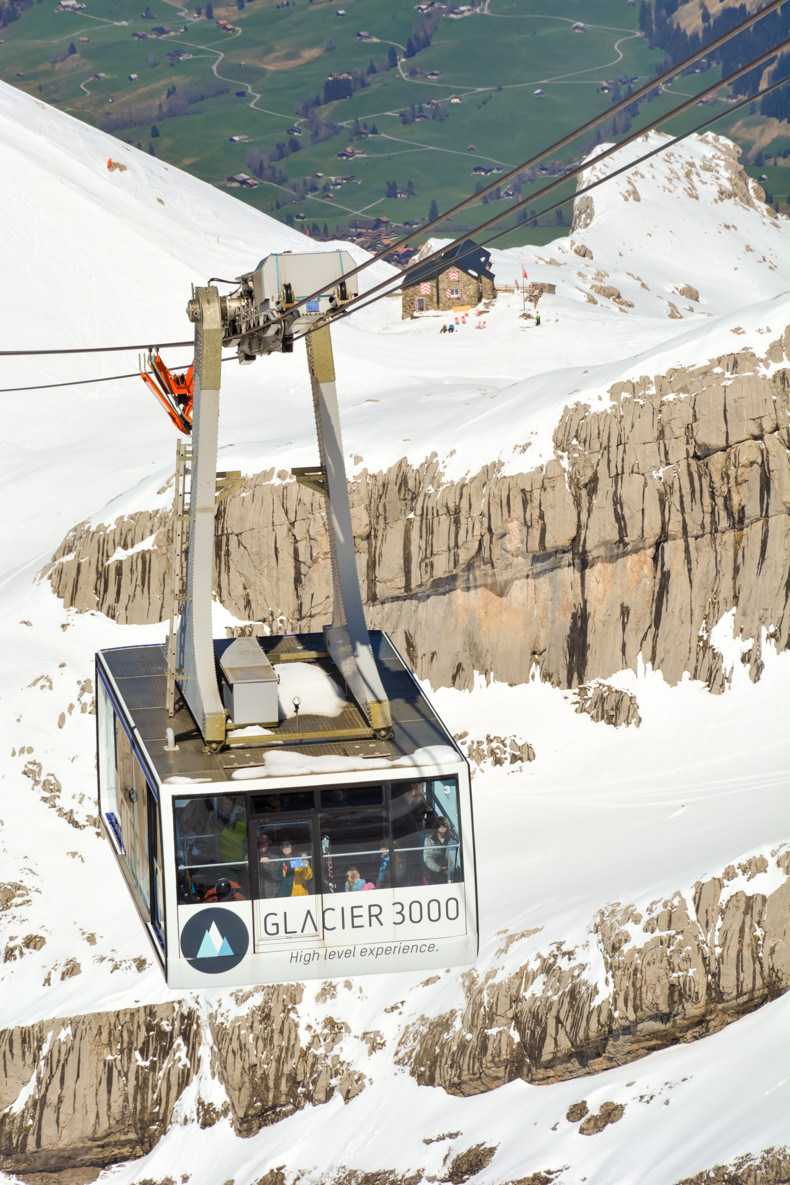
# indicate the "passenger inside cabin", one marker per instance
pixel 209 833
pixel 410 815
pixel 353 880
pixel 295 872
pixel 268 867
pixel 439 854
pixel 230 820
pixel 383 875
pixel 224 890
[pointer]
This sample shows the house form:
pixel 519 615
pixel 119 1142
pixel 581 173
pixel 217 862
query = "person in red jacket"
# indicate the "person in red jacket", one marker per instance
pixel 224 890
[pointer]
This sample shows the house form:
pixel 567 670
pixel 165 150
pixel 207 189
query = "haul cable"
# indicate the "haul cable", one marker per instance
pixel 377 292
pixel 635 97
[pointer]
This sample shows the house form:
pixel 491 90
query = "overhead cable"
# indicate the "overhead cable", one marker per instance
pixel 546 210
pixel 395 283
pixel 96 349
pixel 641 160
pixel 634 97
pixel 364 299
pixel 110 378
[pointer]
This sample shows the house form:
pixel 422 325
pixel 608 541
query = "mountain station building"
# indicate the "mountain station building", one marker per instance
pixel 459 277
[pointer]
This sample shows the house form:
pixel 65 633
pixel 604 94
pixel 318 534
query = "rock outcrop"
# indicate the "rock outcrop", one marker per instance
pixel 265 1070
pixel 770 1167
pixel 86 1092
pixel 656 517
pixel 608 705
pixel 95 1089
pixel 675 970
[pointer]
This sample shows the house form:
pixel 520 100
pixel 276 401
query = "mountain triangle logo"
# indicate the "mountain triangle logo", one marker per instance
pixel 214 944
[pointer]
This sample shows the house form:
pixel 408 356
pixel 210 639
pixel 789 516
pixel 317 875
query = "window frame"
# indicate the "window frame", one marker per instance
pixel 319 885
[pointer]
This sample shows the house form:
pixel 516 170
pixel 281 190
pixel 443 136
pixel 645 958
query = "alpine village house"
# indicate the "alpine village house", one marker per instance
pixel 458 277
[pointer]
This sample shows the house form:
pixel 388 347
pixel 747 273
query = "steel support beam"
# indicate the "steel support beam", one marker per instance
pixel 347 637
pixel 195 647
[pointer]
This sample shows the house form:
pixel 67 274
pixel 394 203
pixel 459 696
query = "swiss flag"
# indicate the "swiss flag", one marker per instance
pixel 524 270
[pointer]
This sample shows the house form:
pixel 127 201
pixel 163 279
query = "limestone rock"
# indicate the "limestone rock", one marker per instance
pixel 94 1089
pixel 469 1163
pixel 496 750
pixel 266 1071
pixel 770 1167
pixel 676 970
pixel 609 292
pixel 583 212
pixel 89 1091
pixel 609 705
pixel 608 1113
pixel 657 516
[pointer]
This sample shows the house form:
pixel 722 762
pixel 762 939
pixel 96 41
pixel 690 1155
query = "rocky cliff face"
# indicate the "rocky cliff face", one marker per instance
pixel 86 1092
pixel 656 516
pixel 81 1093
pixel 674 969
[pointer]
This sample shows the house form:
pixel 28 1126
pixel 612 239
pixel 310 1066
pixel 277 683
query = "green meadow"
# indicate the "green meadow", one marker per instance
pixel 481 107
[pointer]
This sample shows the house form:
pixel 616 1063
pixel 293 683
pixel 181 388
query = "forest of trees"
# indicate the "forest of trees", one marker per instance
pixel 176 102
pixel 660 30
pixel 10 10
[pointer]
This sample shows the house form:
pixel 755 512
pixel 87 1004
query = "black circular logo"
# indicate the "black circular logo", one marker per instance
pixel 214 941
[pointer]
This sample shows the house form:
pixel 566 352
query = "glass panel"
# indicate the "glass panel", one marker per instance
pixel 441 852
pixel 355 849
pixel 411 814
pixel 269 804
pixel 339 796
pixel 137 841
pixel 211 848
pixel 132 818
pixel 157 885
pixel 108 772
pixel 285 858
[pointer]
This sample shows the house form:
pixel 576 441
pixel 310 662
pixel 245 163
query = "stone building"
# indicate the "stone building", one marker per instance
pixel 459 277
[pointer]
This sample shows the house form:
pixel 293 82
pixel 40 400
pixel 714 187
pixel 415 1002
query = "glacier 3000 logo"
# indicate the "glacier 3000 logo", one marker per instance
pixel 214 941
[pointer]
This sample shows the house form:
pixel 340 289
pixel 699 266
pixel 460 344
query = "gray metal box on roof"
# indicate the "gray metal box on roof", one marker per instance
pixel 249 684
pixel 305 274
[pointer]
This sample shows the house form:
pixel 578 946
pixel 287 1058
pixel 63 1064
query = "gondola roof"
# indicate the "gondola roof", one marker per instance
pixel 139 673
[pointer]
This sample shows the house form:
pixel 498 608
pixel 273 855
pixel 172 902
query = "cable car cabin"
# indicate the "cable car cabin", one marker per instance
pixel 307 848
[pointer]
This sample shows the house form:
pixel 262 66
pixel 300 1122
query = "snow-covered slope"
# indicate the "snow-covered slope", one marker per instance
pixel 105 257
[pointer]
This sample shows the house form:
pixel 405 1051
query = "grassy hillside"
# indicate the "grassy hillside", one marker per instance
pixel 438 96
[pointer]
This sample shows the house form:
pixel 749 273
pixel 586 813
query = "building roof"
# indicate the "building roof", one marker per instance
pixel 467 255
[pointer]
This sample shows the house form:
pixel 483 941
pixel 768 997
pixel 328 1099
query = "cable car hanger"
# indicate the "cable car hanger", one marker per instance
pixel 260 318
